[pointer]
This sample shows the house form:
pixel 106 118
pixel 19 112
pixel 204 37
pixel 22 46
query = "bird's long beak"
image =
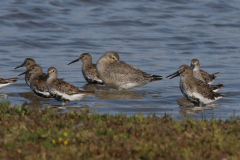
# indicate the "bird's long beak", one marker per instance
pixel 73 61
pixel 175 74
pixel 24 72
pixel 19 66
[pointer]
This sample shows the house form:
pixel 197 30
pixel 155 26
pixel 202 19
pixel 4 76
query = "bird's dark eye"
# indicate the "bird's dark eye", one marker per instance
pixel 53 71
pixel 113 58
pixel 33 68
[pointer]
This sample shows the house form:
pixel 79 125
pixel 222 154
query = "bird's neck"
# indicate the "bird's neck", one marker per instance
pixel 86 64
pixel 196 68
pixel 50 79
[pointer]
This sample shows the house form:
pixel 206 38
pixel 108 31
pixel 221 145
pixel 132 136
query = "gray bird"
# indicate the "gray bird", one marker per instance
pixel 64 91
pixel 195 90
pixel 88 68
pixel 200 74
pixel 120 75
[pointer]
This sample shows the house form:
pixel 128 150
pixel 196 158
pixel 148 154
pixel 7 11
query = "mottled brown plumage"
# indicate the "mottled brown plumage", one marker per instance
pixel 195 90
pixel 200 74
pixel 64 91
pixel 215 88
pixel 6 82
pixel 28 62
pixel 36 81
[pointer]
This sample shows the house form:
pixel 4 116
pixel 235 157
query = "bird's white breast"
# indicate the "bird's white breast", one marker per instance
pixel 202 99
pixel 4 85
pixel 72 97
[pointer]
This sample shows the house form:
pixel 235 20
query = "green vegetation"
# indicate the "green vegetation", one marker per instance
pixel 34 134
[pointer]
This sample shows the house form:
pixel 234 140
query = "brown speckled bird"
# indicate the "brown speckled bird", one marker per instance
pixel 28 62
pixel 6 82
pixel 120 75
pixel 88 68
pixel 195 90
pixel 64 91
pixel 36 82
pixel 200 74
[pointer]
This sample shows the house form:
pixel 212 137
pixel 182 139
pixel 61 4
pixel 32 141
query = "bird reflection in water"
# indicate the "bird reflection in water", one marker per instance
pixel 33 98
pixel 189 108
pixel 3 96
pixel 104 93
pixel 35 101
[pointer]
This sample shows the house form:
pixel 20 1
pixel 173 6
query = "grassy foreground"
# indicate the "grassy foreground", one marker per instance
pixel 43 134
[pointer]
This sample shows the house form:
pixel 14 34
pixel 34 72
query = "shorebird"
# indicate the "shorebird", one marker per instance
pixel 36 82
pixel 88 68
pixel 64 91
pixel 200 74
pixel 195 90
pixel 28 62
pixel 120 75
pixel 6 82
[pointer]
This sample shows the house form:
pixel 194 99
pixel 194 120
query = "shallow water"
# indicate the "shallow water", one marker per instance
pixel 155 37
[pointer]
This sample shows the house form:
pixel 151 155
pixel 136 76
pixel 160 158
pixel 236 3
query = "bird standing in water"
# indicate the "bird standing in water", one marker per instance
pixel 200 74
pixel 28 62
pixel 88 68
pixel 195 90
pixel 36 82
pixel 120 75
pixel 64 91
